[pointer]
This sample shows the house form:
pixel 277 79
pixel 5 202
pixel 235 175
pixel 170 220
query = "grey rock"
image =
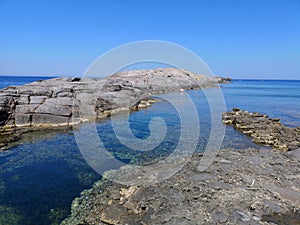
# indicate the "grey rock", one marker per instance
pixel 46 119
pixel 263 130
pixel 296 153
pixel 186 198
pixel 219 217
pixel 37 99
pixel 243 216
pixel 55 106
pixel 274 208
pixel 23 118
pixel 88 98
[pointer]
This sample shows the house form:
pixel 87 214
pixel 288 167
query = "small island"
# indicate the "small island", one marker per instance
pixel 62 102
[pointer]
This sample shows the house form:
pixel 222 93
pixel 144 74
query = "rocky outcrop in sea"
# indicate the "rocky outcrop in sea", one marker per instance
pixel 264 130
pixel 65 101
pixel 52 101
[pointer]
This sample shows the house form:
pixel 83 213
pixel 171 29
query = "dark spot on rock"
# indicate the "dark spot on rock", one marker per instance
pixel 76 79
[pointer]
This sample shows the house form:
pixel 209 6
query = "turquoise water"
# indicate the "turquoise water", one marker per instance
pixel 39 179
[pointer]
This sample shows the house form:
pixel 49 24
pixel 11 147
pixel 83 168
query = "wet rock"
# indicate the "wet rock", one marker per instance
pixel 223 194
pixel 263 130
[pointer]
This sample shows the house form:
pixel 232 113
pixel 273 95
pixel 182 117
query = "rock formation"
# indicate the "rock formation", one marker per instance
pixel 264 130
pixel 65 101
pixel 248 186
pixel 55 101
pixel 223 79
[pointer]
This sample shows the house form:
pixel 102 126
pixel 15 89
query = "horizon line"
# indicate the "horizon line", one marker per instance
pixel 233 78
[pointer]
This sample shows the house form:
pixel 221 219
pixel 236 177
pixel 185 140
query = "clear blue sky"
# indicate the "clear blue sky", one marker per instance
pixel 241 39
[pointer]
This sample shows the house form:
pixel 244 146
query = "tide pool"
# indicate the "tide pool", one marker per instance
pixel 39 179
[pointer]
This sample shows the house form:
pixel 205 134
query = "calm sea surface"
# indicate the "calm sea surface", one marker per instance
pixel 40 178
pixel 18 80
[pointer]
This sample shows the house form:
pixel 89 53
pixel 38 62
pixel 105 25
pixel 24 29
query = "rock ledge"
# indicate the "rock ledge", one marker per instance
pixel 249 186
pixel 263 130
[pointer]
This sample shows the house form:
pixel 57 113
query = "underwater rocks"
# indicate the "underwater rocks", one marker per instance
pixel 249 186
pixel 12 136
pixel 65 101
pixel 263 130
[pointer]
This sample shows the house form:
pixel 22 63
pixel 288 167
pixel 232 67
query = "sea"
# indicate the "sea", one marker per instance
pixel 40 177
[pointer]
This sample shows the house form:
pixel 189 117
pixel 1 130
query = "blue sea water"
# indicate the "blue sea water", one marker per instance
pixel 19 80
pixel 277 98
pixel 40 178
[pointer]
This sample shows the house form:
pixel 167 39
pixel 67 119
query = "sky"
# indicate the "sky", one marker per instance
pixel 240 39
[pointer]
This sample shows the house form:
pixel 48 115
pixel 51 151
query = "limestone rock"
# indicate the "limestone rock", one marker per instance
pixel 263 130
pixel 241 193
pixel 56 100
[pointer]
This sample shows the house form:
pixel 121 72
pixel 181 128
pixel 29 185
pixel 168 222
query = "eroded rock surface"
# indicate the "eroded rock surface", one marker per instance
pixel 264 130
pixel 55 101
pixel 65 101
pixel 250 186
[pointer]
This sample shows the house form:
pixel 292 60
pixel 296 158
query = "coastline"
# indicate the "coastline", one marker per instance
pixel 270 174
pixel 264 190
pixel 64 102
pixel 263 130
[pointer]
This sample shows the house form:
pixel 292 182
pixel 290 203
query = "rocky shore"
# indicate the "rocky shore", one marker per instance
pixel 249 186
pixel 65 101
pixel 264 130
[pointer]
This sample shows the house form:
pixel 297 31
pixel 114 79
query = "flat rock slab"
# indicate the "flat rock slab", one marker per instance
pixel 264 130
pixel 240 194
pixel 296 153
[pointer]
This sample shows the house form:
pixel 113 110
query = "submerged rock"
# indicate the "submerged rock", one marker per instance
pixel 9 215
pixel 264 130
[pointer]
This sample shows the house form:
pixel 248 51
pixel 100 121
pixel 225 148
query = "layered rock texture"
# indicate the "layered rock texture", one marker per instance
pixel 264 130
pixel 249 186
pixel 66 100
